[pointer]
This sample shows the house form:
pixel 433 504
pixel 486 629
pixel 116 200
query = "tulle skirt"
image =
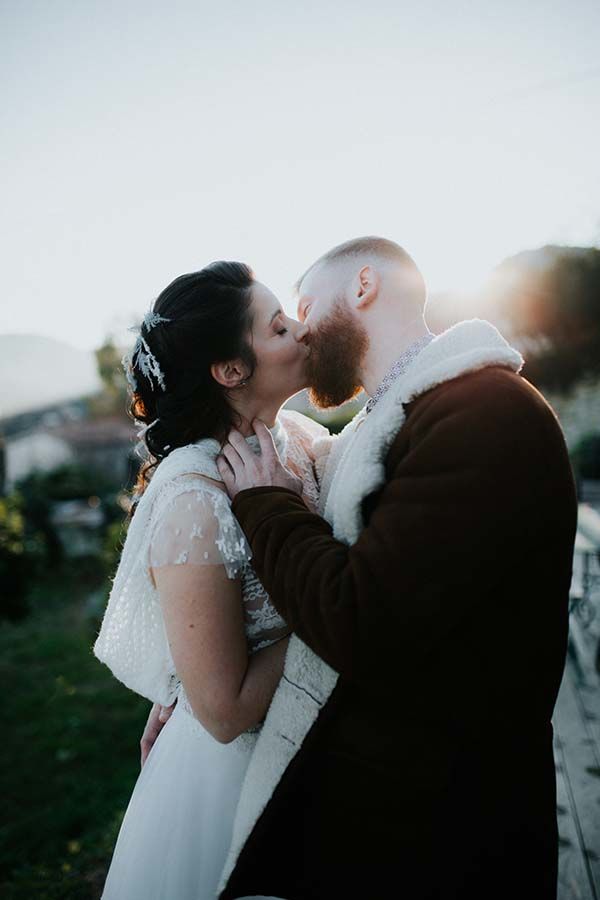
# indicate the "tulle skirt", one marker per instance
pixel 178 826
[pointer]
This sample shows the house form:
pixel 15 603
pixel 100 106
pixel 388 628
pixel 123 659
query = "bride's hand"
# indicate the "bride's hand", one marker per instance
pixel 159 715
pixel 241 468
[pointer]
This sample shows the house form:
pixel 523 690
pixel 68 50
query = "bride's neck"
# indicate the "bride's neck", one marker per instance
pixel 249 408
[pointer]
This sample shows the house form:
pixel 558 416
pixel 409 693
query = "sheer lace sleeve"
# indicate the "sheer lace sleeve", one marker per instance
pixel 192 524
pixel 309 445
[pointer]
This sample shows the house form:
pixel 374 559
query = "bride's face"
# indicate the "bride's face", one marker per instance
pixel 281 348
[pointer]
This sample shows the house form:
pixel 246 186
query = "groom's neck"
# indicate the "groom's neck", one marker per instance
pixel 386 344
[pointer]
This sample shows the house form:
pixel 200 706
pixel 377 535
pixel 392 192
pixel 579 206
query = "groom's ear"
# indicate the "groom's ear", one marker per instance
pixel 365 287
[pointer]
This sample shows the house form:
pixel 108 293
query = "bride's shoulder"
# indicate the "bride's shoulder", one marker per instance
pixel 192 467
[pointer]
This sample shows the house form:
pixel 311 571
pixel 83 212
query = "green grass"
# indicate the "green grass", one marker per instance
pixel 69 752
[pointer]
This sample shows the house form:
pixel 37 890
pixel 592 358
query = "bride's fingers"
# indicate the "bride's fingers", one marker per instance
pixel 151 732
pixel 165 713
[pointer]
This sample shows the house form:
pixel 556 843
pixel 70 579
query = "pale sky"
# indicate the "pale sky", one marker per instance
pixel 141 140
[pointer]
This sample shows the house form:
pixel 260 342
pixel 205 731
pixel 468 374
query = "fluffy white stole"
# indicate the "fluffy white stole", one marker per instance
pixel 359 467
pixel 354 469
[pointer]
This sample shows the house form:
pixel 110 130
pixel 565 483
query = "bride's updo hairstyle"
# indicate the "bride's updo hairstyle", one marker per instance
pixel 209 320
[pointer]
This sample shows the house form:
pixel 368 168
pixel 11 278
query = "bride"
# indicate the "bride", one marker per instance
pixel 187 619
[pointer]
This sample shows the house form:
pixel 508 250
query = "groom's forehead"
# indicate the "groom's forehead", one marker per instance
pixel 316 283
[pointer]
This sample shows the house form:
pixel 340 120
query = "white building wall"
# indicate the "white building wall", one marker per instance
pixel 37 451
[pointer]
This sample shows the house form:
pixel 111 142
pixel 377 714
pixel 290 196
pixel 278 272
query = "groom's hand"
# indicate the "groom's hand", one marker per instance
pixel 241 468
pixel 159 716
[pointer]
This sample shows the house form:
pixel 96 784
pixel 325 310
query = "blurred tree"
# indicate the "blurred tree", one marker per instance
pixel 36 507
pixel 113 399
pixel 19 554
pixel 71 481
pixel 39 491
pixel 585 456
pixel 113 544
pixel 110 370
pixel 2 464
pixel 551 300
pixel 547 302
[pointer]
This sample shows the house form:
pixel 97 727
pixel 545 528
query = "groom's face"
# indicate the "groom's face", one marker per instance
pixel 338 341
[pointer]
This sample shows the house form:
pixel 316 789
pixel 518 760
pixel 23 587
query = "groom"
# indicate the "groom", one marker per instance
pixel 408 749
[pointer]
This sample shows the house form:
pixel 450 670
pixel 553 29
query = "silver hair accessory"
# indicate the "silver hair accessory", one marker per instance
pixel 144 428
pixel 142 355
pixel 140 448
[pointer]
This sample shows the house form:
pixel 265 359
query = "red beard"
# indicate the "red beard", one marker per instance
pixel 337 349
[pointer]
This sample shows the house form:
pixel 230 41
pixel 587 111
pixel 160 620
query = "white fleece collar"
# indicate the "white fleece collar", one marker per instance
pixel 357 469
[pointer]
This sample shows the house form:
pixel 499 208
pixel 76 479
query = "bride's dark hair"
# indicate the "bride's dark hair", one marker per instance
pixel 209 321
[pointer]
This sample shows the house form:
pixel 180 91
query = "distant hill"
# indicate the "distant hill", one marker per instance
pixel 37 372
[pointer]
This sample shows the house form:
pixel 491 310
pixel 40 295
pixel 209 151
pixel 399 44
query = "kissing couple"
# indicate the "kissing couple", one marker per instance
pixel 360 638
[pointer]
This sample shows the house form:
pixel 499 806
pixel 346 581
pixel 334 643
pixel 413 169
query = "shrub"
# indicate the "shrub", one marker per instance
pixel 585 456
pixel 19 556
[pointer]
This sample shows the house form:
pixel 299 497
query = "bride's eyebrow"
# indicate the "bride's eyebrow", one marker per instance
pixel 276 313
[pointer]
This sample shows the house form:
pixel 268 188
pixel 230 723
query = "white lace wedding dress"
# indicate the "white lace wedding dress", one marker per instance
pixel 177 828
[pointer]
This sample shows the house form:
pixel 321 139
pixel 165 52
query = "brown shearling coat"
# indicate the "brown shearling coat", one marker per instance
pixel 429 772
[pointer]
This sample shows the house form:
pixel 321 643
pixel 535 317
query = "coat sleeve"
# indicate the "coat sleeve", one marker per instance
pixel 456 505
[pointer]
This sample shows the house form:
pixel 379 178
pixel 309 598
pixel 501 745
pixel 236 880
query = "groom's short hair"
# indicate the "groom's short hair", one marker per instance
pixel 367 247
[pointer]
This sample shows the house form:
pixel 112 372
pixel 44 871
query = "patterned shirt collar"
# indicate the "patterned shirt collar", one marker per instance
pixel 404 361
